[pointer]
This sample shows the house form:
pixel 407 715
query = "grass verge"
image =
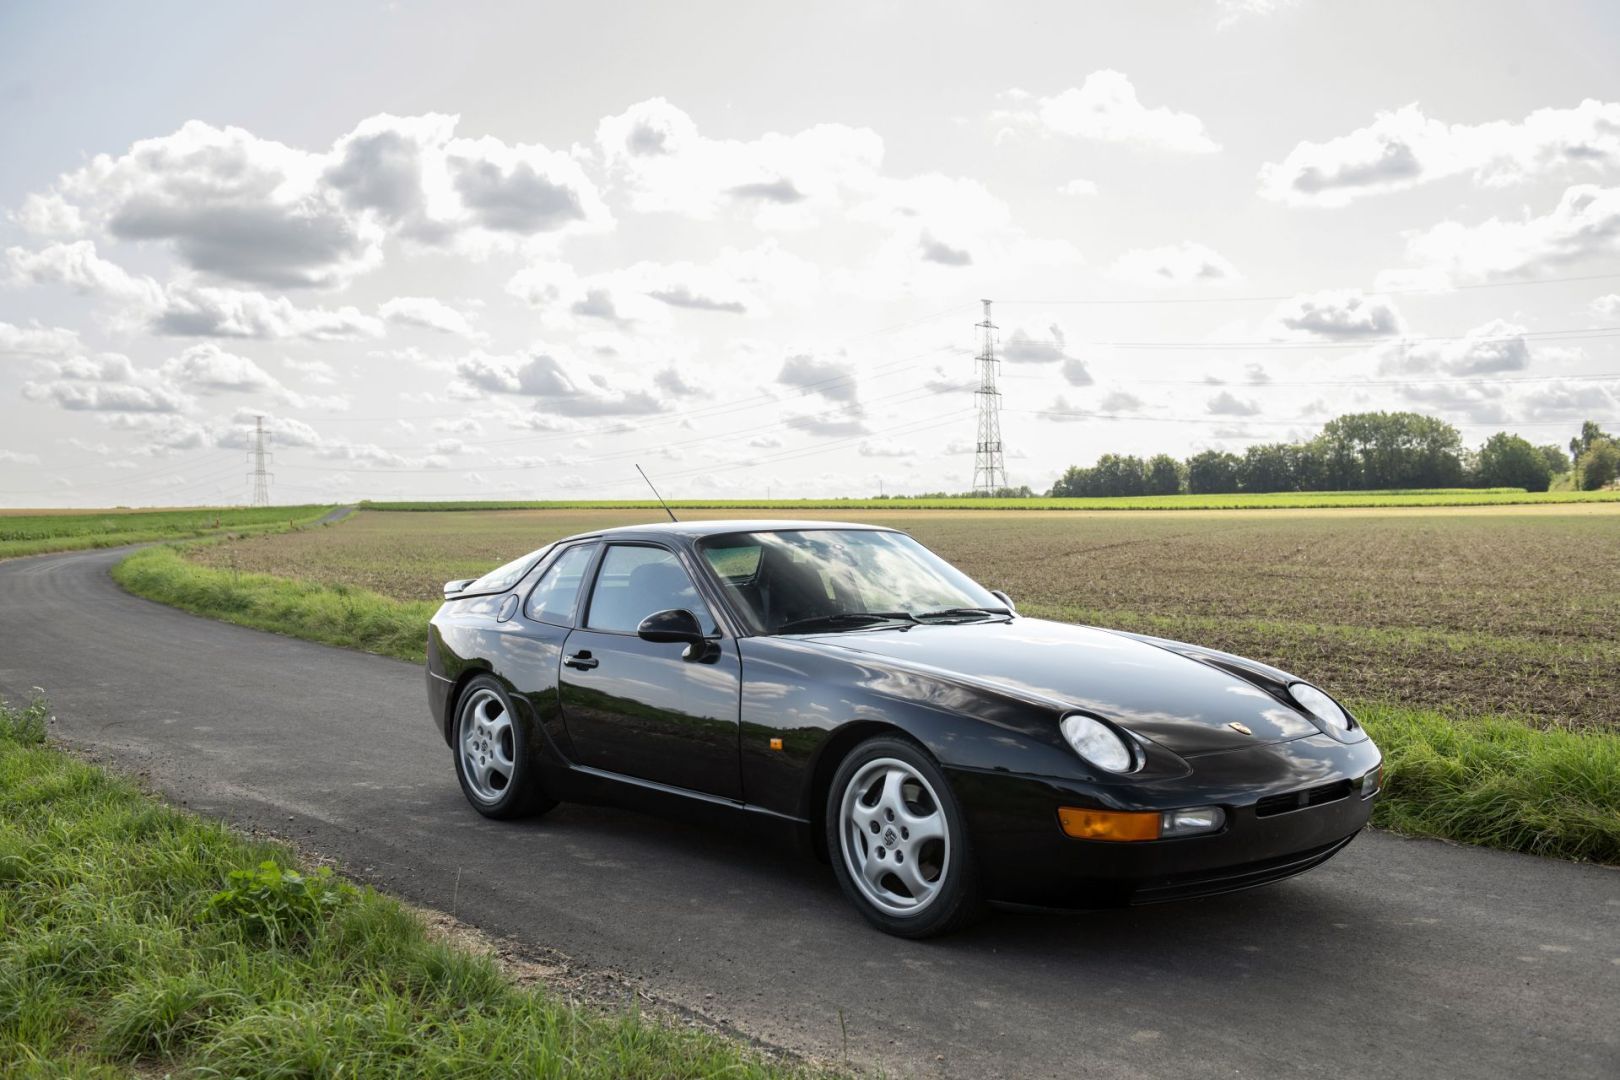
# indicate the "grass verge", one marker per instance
pixel 36 534
pixel 331 615
pixel 137 938
pixel 1497 781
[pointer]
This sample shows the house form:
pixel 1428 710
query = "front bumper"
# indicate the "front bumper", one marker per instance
pixel 1026 859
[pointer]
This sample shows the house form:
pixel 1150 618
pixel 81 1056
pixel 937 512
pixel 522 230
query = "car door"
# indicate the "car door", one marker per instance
pixel 644 709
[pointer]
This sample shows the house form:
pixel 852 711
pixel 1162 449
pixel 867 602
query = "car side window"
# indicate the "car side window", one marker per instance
pixel 636 581
pixel 553 597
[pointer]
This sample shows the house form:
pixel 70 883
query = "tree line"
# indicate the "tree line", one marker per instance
pixel 1357 452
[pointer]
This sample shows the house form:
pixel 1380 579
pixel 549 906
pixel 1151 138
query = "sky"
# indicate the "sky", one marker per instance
pixel 513 250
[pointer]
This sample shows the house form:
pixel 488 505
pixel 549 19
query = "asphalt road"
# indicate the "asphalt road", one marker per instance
pixel 1400 958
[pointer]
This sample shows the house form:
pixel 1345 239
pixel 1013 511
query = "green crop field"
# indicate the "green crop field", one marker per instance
pixel 28 532
pixel 1284 500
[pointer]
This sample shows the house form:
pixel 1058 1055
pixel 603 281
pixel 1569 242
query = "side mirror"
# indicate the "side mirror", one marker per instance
pixel 1005 599
pixel 451 588
pixel 672 626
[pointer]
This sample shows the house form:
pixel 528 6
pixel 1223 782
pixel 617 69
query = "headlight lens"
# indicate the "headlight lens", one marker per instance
pixel 1320 705
pixel 1097 743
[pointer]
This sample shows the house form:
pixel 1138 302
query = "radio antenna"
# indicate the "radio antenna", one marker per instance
pixel 657 496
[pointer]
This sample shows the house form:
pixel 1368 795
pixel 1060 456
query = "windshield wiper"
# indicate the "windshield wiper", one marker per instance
pixel 846 618
pixel 959 612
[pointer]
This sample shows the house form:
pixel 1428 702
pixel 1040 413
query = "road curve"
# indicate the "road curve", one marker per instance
pixel 1400 958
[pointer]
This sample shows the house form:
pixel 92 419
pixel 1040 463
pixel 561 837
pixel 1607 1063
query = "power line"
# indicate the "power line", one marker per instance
pixel 1574 334
pixel 1414 380
pixel 1291 296
pixel 910 395
pixel 1246 421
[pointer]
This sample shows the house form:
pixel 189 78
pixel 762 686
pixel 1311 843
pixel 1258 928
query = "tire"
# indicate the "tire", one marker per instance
pixel 491 750
pixel 898 841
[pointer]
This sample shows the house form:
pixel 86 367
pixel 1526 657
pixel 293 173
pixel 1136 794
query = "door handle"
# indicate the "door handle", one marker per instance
pixel 582 660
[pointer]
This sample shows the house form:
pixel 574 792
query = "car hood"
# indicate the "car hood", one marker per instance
pixel 1182 704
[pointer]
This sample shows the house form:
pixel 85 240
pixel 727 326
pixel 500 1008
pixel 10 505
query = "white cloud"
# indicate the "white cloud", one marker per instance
pixel 1234 11
pixel 887 448
pixel 36 342
pixel 1497 346
pixel 428 313
pixel 1335 314
pixel 1063 411
pixel 521 189
pixel 182 309
pixel 78 266
pixel 1078 187
pixel 1607 306
pixel 211 369
pixel 655 150
pixel 736 282
pixel 831 379
pixel 554 383
pixel 1185 263
pixel 1584 225
pixel 315 372
pixel 1405 148
pixel 205 311
pixel 1022 346
pixel 17 457
pixel 1226 403
pixel 250 210
pixel 847 423
pixel 1120 401
pixel 105 396
pixel 1105 107
pixel 1076 373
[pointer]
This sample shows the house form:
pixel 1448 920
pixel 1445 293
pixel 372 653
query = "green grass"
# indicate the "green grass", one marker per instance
pixel 1493 780
pixel 1499 782
pixel 1296 500
pixel 34 534
pixel 332 615
pixel 137 939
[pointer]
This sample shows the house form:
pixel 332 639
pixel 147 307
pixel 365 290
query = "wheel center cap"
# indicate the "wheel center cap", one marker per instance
pixel 890 837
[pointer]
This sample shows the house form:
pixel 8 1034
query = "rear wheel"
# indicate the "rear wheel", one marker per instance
pixel 492 759
pixel 898 842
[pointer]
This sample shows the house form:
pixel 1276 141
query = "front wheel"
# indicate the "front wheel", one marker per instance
pixel 492 758
pixel 898 842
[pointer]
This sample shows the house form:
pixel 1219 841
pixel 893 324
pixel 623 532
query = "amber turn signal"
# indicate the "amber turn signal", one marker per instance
pixel 1108 824
pixel 776 744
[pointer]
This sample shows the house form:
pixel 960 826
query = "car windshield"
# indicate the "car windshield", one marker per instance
pixel 816 580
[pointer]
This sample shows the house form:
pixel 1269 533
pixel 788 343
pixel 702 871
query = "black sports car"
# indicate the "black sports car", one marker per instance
pixel 844 685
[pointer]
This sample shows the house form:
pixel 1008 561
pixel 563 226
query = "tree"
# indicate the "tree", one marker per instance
pixel 1072 484
pixel 1163 475
pixel 1558 462
pixel 1599 465
pixel 1396 450
pixel 1269 467
pixel 1212 472
pixel 1590 433
pixel 1509 461
pixel 1117 475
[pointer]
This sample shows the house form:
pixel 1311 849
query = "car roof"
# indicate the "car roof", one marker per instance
pixel 697 530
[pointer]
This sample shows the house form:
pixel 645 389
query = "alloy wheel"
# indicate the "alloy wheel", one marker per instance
pixel 487 745
pixel 895 838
